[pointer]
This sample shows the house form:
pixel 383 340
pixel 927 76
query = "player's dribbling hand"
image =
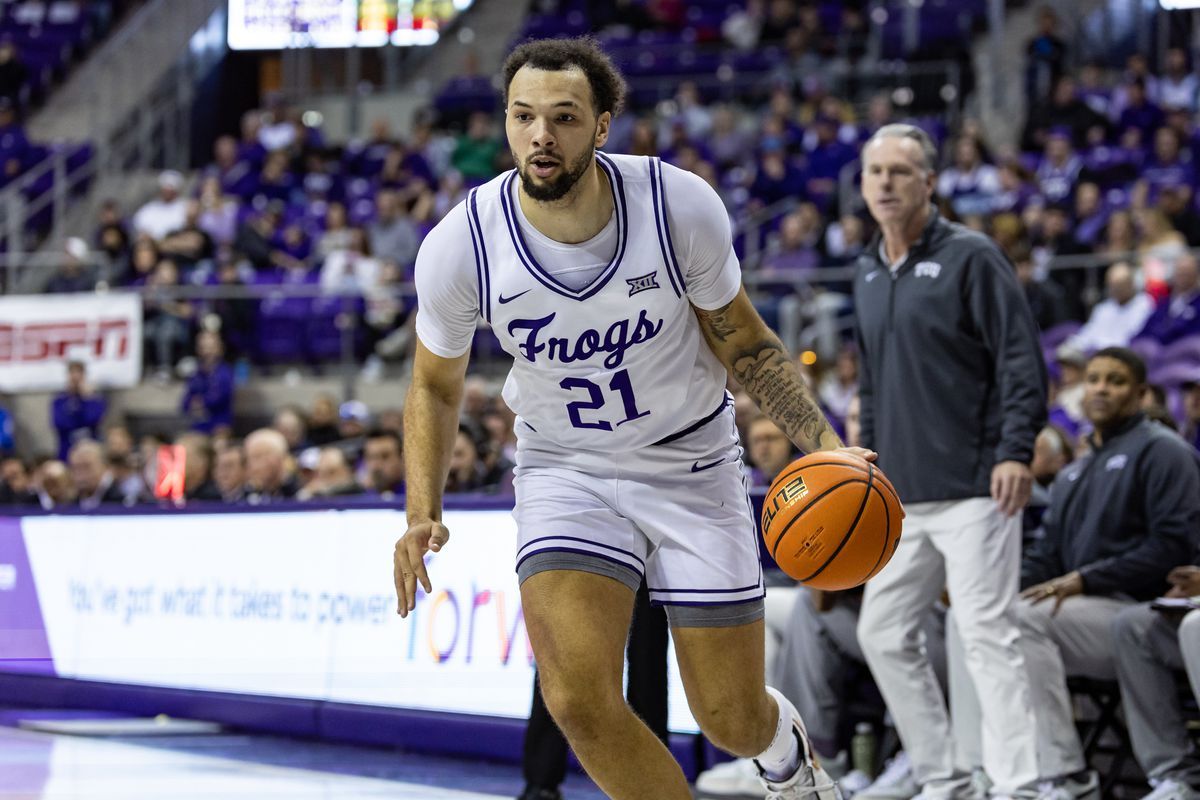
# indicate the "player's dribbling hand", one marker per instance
pixel 409 561
pixel 859 452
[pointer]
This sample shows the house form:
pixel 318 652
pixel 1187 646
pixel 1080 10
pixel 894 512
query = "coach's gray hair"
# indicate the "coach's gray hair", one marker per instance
pixel 901 130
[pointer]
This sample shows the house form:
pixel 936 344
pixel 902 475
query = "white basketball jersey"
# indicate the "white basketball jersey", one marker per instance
pixel 615 365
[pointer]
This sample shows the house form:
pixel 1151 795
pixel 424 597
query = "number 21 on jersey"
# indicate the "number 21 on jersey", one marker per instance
pixel 620 384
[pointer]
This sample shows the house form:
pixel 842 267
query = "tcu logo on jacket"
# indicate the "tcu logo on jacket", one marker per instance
pixel 792 491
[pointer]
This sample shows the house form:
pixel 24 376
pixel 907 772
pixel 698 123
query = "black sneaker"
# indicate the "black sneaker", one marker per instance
pixel 538 793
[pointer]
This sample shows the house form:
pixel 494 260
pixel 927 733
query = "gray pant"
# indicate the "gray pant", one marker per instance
pixel 1147 645
pixel 810 666
pixel 1075 641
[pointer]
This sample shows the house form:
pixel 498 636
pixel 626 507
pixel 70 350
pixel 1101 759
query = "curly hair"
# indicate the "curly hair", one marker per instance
pixel 584 52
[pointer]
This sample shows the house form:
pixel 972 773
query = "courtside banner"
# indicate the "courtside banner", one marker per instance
pixel 40 333
pixel 289 604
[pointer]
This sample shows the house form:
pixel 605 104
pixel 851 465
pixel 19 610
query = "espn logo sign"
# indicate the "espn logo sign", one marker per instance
pixel 56 341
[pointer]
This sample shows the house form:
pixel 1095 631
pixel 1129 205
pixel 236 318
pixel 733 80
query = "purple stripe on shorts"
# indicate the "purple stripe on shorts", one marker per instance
pixel 584 541
pixel 600 556
pixel 655 602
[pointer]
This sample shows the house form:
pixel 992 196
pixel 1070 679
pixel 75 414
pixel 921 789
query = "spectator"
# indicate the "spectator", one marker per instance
pixel 1055 239
pixel 260 237
pixel 16 489
pixel 477 150
pixel 15 149
pixel 208 401
pixel 1120 235
pixel 1046 300
pixel 143 260
pixel 1065 112
pixel 384 462
pixel 1112 535
pixel 75 274
pixel 1115 320
pixel 826 156
pixel 1045 57
pixel 323 421
pixel 1175 203
pixel 467 469
pixel 1151 644
pixel 333 478
pixel 777 177
pixel 1066 406
pixel 1140 111
pixel 1168 167
pixel 1160 249
pixel 840 385
pixel 166 213
pixel 189 245
pixel 1091 214
pixel 970 185
pixel 229 173
pixel 337 235
pixel 236 314
pixel 218 212
pixel 94 483
pixel 123 463
pixel 55 487
pixel 289 421
pixel 275 183
pixel 393 235
pixel 353 419
pixel 1178 85
pixel 351 268
pixel 198 483
pixel 1059 169
pixel 1177 316
pixel 167 325
pixel 76 412
pixel 229 473
pixel 1191 411
pixel 769 450
pixel 269 476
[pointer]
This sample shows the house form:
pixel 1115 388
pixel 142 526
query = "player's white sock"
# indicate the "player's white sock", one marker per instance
pixel 782 756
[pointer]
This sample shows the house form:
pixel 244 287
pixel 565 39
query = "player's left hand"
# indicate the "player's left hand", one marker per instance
pixel 860 452
pixel 1060 589
pixel 1012 482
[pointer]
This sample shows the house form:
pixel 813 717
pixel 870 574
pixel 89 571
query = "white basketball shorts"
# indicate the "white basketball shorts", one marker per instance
pixel 675 513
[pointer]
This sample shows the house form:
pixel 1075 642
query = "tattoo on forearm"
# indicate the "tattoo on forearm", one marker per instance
pixel 718 324
pixel 767 374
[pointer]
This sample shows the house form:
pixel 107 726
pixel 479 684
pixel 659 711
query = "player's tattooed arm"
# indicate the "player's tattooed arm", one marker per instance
pixel 758 361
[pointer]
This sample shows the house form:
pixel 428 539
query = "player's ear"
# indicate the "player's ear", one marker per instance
pixel 602 123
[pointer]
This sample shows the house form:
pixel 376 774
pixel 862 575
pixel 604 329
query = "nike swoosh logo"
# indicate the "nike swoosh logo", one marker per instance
pixel 504 299
pixel 871 276
pixel 698 467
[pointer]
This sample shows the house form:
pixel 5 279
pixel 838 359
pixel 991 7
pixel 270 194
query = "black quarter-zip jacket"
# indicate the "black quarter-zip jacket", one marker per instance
pixel 1124 515
pixel 951 376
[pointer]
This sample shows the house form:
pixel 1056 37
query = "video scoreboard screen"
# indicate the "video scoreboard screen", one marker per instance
pixel 280 24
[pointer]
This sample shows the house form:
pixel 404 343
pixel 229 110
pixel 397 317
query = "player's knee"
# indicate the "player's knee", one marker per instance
pixel 579 707
pixel 734 727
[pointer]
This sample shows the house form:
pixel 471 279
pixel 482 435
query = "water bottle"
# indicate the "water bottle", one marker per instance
pixel 862 749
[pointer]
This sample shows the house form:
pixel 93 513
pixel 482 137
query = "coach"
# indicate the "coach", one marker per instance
pixel 953 393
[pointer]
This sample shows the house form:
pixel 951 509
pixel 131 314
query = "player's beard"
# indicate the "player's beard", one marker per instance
pixel 558 187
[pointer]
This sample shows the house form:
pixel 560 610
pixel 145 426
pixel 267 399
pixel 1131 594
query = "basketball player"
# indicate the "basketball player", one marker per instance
pixel 612 282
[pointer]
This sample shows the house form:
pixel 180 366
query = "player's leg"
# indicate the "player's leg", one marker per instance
pixel 578 623
pixel 723 674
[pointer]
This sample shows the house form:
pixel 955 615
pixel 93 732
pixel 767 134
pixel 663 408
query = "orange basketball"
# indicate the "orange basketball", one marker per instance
pixel 831 521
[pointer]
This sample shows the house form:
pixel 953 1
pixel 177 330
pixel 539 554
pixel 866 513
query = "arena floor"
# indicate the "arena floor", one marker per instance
pixel 236 766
